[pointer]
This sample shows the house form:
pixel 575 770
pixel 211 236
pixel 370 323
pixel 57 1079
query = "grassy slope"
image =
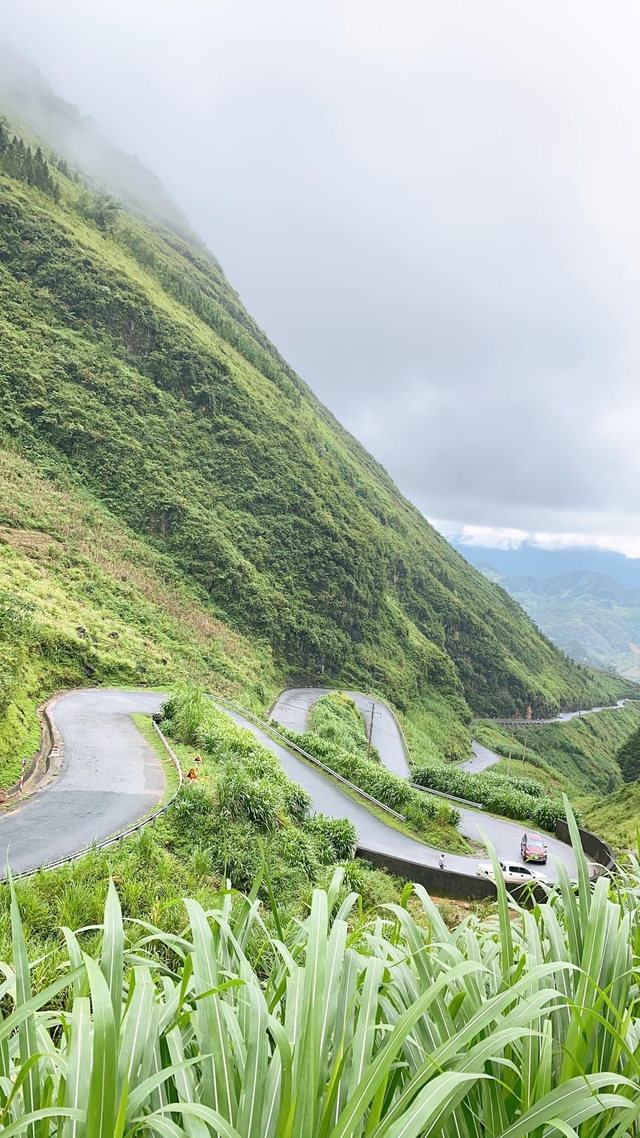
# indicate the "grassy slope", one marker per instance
pixel 65 565
pixel 579 754
pixel 131 369
pixel 616 816
pixel 337 718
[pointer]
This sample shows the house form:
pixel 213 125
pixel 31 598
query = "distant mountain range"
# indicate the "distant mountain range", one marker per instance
pixel 585 611
pixel 529 560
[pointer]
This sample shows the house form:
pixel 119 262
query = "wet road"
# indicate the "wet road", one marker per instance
pixel 291 710
pixel 482 759
pixel 293 706
pixel 110 778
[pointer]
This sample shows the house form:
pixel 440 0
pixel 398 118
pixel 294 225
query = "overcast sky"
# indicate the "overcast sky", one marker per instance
pixel 431 206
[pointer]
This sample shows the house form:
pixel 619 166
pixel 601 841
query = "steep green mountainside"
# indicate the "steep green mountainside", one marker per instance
pixel 591 616
pixel 29 100
pixel 134 379
pixel 582 753
pixel 85 601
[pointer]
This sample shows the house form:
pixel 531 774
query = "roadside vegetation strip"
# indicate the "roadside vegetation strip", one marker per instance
pixel 291 745
pixel 335 1024
pixel 519 798
pixel 442 794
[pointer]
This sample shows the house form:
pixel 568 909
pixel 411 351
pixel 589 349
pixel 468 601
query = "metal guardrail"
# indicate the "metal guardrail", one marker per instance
pixel 442 794
pixel 151 819
pixel 268 727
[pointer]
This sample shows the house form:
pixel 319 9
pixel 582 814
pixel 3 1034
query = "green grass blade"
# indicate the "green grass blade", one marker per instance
pixel 101 1113
pixel 27 1028
pixel 431 1107
pixel 250 1108
pixel 78 1067
pixel 215 1121
pixel 112 957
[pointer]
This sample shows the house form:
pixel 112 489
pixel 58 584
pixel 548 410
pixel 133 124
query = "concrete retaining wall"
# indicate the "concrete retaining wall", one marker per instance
pixel 594 847
pixel 446 883
pixel 442 882
pixel 41 763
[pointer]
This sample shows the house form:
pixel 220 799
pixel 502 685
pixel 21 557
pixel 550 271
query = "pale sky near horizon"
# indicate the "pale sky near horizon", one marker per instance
pixel 431 208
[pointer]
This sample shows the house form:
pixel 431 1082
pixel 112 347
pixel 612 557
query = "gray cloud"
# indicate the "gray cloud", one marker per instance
pixel 432 210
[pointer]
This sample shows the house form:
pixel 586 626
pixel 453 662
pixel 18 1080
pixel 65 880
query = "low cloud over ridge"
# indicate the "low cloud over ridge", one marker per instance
pixel 432 209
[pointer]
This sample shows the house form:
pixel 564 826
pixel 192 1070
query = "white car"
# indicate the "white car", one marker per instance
pixel 513 872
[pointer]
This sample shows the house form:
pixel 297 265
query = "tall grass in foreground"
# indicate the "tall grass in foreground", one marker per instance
pixel 520 1025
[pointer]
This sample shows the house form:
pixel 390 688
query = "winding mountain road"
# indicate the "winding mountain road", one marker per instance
pixel 483 758
pixel 111 777
pixel 291 710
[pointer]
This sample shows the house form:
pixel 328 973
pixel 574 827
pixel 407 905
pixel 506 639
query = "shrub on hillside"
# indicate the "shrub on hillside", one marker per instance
pixel 376 780
pixel 337 719
pixel 629 757
pixel 337 838
pixel 236 853
pixel 298 802
pixel 515 782
pixel 184 713
pixel 497 794
pixel 242 798
pixel 298 848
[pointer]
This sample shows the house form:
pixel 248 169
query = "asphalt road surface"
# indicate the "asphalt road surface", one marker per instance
pixel 589 711
pixel 110 778
pixel 293 706
pixel 291 710
pixel 482 759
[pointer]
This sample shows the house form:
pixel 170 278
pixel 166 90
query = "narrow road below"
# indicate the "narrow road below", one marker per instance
pixel 110 778
pixel 291 710
pixel 482 759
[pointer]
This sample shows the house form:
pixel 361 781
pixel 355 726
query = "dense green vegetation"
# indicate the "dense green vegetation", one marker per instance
pixel 22 163
pixel 436 729
pixel 153 872
pixel 134 381
pixel 513 796
pixel 83 600
pixel 245 810
pixel 521 1025
pixel 629 757
pixel 336 718
pixel 580 752
pixel 618 814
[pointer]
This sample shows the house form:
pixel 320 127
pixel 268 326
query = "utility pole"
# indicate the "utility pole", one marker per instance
pixel 524 750
pixel 509 761
pixel 370 732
